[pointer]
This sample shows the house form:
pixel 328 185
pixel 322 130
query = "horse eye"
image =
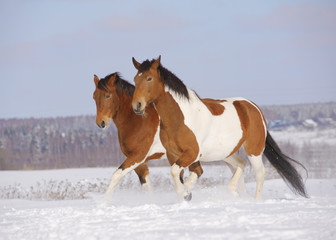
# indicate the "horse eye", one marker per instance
pixel 149 79
pixel 108 95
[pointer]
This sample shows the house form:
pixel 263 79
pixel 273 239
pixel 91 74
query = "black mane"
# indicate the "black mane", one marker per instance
pixel 167 77
pixel 121 84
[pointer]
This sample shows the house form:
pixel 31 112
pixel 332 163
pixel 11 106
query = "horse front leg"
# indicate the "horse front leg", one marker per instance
pixel 177 173
pixel 128 165
pixel 172 160
pixel 185 160
pixel 179 187
pixel 196 171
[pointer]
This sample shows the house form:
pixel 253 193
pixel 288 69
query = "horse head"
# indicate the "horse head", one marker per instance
pixel 148 85
pixel 105 98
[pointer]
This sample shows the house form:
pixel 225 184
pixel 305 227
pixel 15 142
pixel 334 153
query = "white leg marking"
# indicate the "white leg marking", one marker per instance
pixel 176 170
pixel 191 181
pixel 258 166
pixel 241 185
pixel 238 165
pixel 116 177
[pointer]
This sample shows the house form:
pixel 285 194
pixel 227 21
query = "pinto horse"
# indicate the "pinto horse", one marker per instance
pixel 190 130
pixel 138 135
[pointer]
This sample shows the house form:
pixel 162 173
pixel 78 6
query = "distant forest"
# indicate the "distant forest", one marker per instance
pixel 57 143
pixel 68 142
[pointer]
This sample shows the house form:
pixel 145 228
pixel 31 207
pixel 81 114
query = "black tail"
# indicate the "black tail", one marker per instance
pixel 282 164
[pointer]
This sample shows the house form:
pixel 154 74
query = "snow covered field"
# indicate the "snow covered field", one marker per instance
pixel 67 204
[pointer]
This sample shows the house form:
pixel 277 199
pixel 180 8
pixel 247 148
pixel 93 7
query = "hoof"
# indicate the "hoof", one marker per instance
pixel 188 197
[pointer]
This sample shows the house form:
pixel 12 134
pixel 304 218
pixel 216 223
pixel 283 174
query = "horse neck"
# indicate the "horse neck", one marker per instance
pixel 169 110
pixel 124 109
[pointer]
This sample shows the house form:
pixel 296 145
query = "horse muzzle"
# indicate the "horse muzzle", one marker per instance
pixel 137 108
pixel 102 124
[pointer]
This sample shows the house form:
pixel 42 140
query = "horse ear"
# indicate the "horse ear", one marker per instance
pixel 157 62
pixel 96 80
pixel 111 80
pixel 135 63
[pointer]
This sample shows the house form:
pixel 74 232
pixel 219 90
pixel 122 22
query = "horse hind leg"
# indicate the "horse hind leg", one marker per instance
pixel 237 166
pixel 259 169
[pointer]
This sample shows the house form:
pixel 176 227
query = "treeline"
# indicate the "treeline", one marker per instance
pixel 77 141
pixel 324 113
pixel 57 143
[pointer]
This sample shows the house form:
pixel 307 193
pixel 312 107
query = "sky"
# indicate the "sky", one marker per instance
pixel 271 52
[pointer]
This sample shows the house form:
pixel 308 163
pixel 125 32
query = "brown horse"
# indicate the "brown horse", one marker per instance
pixel 191 131
pixel 138 135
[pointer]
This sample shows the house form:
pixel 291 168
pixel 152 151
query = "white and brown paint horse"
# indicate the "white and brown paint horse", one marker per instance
pixel 191 131
pixel 138 135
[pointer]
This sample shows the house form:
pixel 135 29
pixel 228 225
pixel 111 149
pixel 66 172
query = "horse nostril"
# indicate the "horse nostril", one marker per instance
pixel 138 105
pixel 102 124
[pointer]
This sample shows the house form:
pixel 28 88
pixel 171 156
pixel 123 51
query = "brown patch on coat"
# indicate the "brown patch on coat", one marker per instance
pixel 214 106
pixel 179 141
pixel 252 123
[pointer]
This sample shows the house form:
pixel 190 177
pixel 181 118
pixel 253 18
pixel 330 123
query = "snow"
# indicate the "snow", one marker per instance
pixel 131 213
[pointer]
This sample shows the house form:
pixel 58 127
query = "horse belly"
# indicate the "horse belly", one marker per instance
pixel 222 135
pixel 217 135
pixel 219 145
